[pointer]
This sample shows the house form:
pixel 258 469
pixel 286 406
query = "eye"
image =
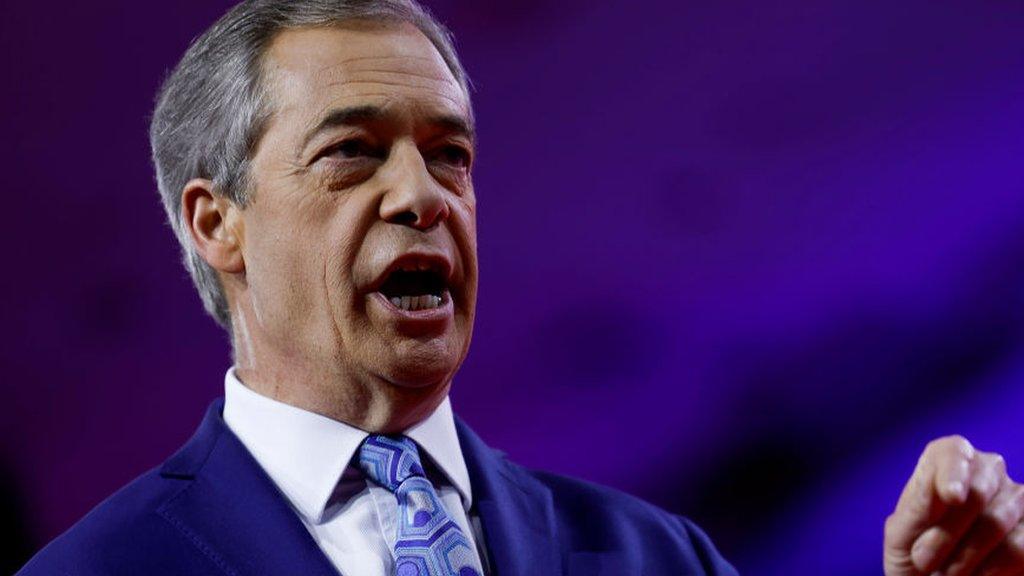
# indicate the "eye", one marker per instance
pixel 454 155
pixel 352 148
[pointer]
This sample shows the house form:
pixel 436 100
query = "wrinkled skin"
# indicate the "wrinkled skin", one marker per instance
pixel 960 514
pixel 331 209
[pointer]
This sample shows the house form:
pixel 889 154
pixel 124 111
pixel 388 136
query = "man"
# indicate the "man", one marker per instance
pixel 315 159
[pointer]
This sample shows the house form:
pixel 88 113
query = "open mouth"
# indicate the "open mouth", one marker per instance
pixel 413 290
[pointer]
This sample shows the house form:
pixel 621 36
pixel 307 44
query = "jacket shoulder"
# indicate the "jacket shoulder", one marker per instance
pixel 593 528
pixel 586 504
pixel 592 516
pixel 124 534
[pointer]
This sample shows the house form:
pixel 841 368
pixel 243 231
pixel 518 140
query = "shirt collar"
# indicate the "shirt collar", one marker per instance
pixel 305 453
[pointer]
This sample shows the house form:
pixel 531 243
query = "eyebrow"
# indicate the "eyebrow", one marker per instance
pixel 357 115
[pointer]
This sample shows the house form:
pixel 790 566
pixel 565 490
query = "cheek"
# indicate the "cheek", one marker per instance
pixel 284 271
pixel 465 216
pixel 279 281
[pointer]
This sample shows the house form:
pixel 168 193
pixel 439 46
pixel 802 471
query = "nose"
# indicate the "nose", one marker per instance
pixel 412 196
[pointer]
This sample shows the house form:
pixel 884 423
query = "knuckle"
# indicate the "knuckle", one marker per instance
pixel 958 438
pixel 936 444
pixel 960 442
pixel 953 443
pixel 990 474
pixel 986 487
pixel 996 461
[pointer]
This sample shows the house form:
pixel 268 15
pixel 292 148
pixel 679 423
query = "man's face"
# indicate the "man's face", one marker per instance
pixel 360 243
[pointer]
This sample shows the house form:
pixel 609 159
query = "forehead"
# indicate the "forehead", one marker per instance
pixel 311 71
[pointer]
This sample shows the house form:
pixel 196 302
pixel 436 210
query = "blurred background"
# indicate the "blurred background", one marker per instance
pixel 756 253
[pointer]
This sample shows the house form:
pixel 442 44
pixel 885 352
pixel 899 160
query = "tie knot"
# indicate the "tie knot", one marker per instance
pixel 389 460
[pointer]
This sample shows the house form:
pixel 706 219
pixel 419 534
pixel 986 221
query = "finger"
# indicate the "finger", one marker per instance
pixel 1001 516
pixel 936 544
pixel 942 474
pixel 1008 558
pixel 953 467
pixel 939 480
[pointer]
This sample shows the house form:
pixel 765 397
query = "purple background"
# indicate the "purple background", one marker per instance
pixel 756 253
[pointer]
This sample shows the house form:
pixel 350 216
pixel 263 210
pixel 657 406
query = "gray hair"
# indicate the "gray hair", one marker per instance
pixel 212 109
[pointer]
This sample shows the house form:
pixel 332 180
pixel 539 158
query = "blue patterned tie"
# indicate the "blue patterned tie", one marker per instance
pixel 429 542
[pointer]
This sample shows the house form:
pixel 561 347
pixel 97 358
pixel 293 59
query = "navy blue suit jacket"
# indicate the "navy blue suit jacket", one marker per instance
pixel 210 509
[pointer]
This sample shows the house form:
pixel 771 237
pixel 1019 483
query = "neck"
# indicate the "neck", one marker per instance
pixel 376 407
pixel 335 389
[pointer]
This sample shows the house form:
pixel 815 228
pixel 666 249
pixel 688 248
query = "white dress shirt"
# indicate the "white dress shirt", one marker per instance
pixel 310 459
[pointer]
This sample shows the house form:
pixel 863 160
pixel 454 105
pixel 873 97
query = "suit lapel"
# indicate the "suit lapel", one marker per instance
pixel 515 509
pixel 232 511
pixel 234 514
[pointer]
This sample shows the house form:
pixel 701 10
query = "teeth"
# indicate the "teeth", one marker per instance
pixel 416 267
pixel 414 303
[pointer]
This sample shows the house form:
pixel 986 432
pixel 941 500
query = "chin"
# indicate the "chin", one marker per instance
pixel 421 365
pixel 419 377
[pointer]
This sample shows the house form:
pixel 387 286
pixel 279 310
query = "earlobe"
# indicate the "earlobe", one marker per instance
pixel 215 227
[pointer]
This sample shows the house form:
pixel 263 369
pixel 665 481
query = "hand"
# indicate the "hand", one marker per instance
pixel 959 515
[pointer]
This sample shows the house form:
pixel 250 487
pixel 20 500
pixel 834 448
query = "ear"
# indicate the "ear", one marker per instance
pixel 215 224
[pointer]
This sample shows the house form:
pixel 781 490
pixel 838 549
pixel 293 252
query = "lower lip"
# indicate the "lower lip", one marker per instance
pixel 422 317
